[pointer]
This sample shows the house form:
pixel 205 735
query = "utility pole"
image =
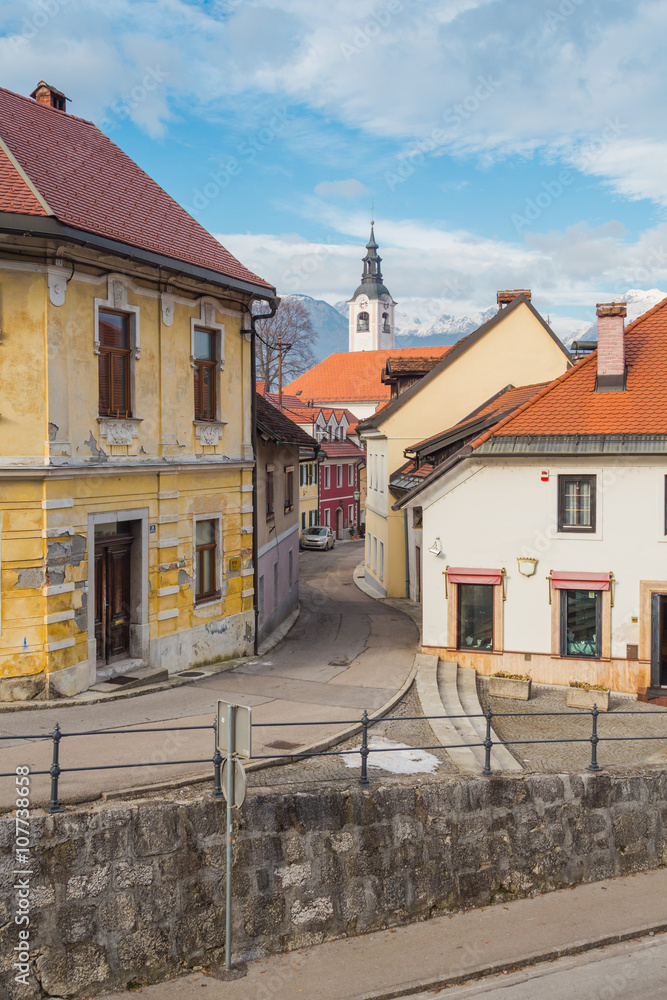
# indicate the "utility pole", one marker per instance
pixel 280 374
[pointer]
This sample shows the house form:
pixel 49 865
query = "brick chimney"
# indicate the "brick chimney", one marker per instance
pixel 504 298
pixel 49 97
pixel 611 346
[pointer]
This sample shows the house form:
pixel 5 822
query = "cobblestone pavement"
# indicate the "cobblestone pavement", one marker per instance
pixel 643 720
pixel 313 770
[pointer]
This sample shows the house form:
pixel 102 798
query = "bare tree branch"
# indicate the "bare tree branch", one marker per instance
pixel 293 328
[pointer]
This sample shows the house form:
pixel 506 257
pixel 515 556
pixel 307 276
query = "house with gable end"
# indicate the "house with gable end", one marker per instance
pixel 545 536
pixel 126 431
pixel 516 347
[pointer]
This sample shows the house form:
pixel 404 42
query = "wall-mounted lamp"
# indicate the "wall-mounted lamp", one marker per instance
pixel 526 566
pixel 436 548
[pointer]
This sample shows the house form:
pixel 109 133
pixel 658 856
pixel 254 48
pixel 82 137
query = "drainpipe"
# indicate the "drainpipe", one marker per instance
pixel 407 553
pixel 273 305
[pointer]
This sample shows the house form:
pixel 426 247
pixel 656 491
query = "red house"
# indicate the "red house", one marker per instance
pixel 339 479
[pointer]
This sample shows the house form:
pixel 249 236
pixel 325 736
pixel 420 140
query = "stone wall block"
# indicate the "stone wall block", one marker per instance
pixel 70 972
pixel 263 915
pixel 155 830
pixel 147 951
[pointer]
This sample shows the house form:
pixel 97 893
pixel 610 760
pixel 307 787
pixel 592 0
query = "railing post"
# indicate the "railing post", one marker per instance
pixel 594 766
pixel 217 764
pixel 54 804
pixel 363 780
pixel 488 744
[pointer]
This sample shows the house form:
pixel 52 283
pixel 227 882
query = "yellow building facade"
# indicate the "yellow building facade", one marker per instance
pixel 126 422
pixel 108 523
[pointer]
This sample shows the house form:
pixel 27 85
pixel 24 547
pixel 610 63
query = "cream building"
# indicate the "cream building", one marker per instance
pixel 126 441
pixel 515 347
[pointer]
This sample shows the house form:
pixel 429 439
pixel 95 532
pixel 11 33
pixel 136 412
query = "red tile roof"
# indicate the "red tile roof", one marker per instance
pixel 279 426
pixel 508 399
pixel 570 405
pixel 341 449
pixel 15 195
pixel 352 376
pixel 298 411
pixel 92 185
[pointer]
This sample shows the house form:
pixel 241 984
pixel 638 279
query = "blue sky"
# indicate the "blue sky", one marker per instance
pixel 504 143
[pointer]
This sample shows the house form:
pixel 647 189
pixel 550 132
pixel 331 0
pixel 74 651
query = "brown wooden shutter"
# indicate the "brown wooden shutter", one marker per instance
pixel 119 380
pixel 198 413
pixel 104 382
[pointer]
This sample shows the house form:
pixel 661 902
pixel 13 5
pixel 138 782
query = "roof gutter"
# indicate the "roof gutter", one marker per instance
pixel 273 308
pixel 453 460
pixel 574 444
pixel 35 225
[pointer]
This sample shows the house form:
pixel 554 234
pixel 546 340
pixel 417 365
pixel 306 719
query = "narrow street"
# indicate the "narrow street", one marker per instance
pixel 346 653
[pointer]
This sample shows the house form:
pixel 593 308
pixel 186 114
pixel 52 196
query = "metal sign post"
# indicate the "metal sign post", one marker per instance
pixel 234 739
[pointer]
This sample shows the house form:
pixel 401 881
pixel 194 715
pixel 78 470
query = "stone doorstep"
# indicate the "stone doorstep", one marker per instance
pixel 653 696
pixel 136 678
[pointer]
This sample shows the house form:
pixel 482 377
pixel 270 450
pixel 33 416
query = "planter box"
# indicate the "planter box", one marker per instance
pixel 508 687
pixel 580 698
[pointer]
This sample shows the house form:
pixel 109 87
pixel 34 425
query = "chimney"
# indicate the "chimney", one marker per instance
pixel 611 346
pixel 49 97
pixel 504 298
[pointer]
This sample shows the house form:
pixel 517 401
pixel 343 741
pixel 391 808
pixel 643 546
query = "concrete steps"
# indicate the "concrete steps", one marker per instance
pixel 444 688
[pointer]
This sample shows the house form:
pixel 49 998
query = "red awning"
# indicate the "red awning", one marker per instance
pixel 561 580
pixel 488 576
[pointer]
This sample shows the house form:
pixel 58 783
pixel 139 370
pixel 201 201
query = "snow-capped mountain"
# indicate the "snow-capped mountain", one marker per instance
pixel 330 323
pixel 639 301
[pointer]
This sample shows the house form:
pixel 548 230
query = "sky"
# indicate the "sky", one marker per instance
pixel 497 143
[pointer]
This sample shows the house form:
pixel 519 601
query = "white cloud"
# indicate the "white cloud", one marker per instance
pixel 341 189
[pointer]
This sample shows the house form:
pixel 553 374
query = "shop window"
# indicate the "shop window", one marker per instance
pixel 580 623
pixel 475 616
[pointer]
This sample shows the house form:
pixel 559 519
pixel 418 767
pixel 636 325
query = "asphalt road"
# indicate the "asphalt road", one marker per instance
pixel 346 653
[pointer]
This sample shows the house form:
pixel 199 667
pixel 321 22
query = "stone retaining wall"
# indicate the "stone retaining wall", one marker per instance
pixel 126 892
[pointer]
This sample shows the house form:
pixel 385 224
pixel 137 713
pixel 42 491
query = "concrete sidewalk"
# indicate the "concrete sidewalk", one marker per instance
pixel 445 950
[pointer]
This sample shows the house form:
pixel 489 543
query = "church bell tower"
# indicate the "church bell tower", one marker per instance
pixel 371 306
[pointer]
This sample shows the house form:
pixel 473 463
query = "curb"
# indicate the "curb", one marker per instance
pixel 174 681
pixel 443 982
pixel 279 633
pixel 260 765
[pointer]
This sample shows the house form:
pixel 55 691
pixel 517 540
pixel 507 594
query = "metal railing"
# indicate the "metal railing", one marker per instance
pixel 487 744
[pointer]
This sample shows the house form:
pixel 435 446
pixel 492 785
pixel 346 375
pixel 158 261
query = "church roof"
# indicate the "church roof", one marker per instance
pixel 354 375
pixel 371 278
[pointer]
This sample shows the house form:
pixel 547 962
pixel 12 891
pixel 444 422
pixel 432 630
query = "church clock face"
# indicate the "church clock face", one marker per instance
pixel 362 302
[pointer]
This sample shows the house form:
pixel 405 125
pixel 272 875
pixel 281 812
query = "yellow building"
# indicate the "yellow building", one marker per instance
pixel 515 347
pixel 126 441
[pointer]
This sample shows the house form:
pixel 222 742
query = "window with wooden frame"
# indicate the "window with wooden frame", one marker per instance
pixel 289 488
pixel 205 374
pixel 270 509
pixel 576 503
pixel 205 561
pixel 114 364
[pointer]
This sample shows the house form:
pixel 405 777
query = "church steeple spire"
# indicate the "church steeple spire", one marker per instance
pixel 371 306
pixel 372 273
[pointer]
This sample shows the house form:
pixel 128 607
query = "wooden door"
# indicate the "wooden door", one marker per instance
pixel 112 597
pixel 339 523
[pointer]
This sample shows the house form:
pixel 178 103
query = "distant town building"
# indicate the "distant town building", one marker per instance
pixel 371 306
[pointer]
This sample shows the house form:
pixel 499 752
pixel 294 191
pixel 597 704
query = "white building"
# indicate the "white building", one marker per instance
pixel 371 307
pixel 545 538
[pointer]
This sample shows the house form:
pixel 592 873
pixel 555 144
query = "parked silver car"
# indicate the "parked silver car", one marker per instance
pixel 318 536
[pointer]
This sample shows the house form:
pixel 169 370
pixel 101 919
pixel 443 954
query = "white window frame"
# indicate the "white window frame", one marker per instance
pixel 339 476
pixel 375 555
pixel 327 517
pixel 350 513
pixel 381 572
pixel 350 474
pixel 327 477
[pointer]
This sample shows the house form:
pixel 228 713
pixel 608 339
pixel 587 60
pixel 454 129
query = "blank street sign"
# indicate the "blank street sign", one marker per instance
pixel 238 782
pixel 242 745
